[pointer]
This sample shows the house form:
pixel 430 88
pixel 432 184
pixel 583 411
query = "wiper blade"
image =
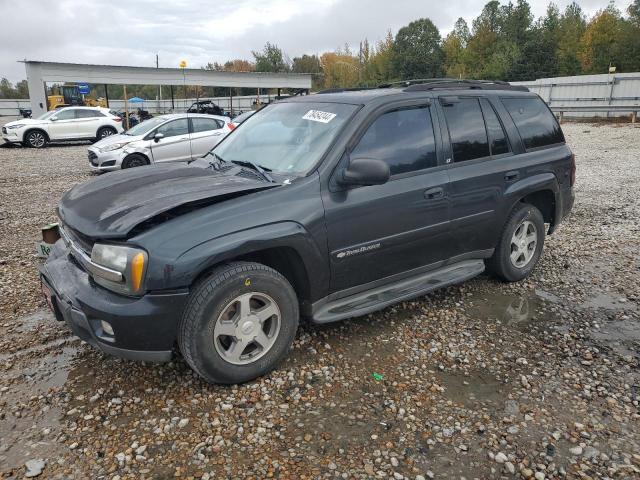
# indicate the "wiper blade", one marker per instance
pixel 261 170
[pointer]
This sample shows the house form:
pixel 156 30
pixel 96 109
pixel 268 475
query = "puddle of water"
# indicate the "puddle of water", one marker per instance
pixel 608 301
pixel 511 310
pixel 473 389
pixel 622 336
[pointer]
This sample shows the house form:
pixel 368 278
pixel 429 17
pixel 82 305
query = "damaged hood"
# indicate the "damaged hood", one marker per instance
pixel 114 203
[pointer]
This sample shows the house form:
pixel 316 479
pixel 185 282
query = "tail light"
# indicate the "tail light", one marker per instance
pixel 572 178
pixel 231 126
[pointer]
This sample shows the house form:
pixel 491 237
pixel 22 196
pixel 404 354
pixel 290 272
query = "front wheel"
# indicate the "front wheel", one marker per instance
pixel 520 244
pixel 36 139
pixel 239 323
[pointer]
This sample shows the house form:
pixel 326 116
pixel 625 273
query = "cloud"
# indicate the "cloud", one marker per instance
pixel 131 33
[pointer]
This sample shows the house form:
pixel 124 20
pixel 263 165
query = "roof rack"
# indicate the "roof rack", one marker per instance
pixel 349 89
pixel 461 84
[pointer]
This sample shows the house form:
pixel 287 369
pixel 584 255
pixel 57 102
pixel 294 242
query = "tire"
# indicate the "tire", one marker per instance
pixel 105 132
pixel 36 139
pixel 135 160
pixel 516 255
pixel 214 339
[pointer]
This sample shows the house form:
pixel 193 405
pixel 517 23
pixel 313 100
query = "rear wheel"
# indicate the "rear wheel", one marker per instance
pixel 36 139
pixel 134 160
pixel 520 244
pixel 105 132
pixel 239 323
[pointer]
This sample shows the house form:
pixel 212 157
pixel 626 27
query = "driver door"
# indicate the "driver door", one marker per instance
pixel 378 231
pixel 63 125
pixel 174 145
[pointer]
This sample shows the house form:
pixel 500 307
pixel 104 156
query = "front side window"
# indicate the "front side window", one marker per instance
pixel 174 128
pixel 466 129
pixel 497 137
pixel 535 123
pixel 402 138
pixel 66 114
pixel 289 137
pixel 205 124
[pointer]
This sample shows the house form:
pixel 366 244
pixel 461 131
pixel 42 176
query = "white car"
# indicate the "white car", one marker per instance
pixel 69 123
pixel 166 138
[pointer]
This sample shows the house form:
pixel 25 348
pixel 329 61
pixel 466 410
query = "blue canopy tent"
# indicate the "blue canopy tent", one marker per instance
pixel 136 100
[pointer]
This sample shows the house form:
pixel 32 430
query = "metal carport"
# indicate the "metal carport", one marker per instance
pixel 38 73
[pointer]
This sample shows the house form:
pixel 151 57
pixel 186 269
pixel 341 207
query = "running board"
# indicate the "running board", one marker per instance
pixel 405 289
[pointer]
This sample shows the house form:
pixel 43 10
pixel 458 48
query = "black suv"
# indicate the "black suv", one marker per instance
pixel 322 206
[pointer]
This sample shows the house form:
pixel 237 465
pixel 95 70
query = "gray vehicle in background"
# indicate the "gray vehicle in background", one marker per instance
pixel 165 138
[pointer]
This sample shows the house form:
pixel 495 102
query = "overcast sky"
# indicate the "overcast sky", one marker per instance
pixel 132 32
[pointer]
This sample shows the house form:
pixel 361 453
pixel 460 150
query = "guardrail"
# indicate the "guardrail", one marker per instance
pixel 631 109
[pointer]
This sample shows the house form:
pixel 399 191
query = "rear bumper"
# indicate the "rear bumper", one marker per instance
pixel 564 203
pixel 144 328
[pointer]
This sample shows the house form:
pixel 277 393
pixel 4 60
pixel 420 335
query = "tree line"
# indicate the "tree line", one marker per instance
pixel 504 42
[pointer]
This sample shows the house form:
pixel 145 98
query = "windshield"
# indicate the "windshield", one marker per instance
pixel 46 115
pixel 143 127
pixel 286 137
pixel 243 116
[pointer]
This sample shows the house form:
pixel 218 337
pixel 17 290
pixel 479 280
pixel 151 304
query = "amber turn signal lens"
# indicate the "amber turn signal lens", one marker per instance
pixel 137 267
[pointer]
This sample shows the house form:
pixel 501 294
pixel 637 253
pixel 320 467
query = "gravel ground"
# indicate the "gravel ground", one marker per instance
pixel 538 379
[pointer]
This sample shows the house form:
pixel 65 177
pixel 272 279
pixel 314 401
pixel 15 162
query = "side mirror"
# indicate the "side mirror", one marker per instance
pixel 53 119
pixel 365 171
pixel 158 136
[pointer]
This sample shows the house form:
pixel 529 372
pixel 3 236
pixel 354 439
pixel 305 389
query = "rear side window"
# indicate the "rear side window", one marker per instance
pixel 402 138
pixel 497 138
pixel 466 129
pixel 88 114
pixel 205 124
pixel 535 122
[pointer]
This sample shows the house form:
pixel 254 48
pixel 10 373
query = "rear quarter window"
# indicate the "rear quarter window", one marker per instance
pixel 535 123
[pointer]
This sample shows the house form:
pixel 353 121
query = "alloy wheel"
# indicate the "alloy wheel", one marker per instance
pixel 523 244
pixel 36 139
pixel 247 328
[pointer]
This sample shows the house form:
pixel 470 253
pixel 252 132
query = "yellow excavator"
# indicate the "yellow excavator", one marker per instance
pixel 71 96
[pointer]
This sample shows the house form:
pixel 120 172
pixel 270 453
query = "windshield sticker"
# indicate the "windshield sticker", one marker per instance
pixel 319 116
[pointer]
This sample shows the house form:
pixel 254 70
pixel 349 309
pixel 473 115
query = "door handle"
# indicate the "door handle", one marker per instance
pixel 511 176
pixel 433 193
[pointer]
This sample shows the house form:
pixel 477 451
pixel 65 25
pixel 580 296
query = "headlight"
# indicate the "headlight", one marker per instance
pixel 113 146
pixel 20 125
pixel 129 262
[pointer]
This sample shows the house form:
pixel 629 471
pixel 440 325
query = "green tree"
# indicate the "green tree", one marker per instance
pixel 600 42
pixel 453 48
pixel 271 59
pixel 417 52
pixel 571 28
pixel 309 64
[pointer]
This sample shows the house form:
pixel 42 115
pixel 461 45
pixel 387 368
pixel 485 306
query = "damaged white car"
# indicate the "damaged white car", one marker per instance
pixel 165 138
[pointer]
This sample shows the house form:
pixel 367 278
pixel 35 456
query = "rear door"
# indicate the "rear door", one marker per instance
pixel 205 134
pixel 377 231
pixel 174 146
pixel 479 153
pixel 88 122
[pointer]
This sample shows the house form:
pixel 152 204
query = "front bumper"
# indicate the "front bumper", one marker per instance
pixel 144 328
pixel 11 137
pixel 104 161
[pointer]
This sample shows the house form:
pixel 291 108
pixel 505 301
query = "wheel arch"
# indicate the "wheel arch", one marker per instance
pixel 108 127
pixel 285 246
pixel 541 191
pixel 35 129
pixel 140 154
